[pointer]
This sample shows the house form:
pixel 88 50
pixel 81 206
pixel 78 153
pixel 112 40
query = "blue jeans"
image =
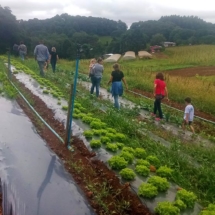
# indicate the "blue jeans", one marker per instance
pixel 22 55
pixel 95 84
pixel 41 67
pixel 116 101
pixel 53 63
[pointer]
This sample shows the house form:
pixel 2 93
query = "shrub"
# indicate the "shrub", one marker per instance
pixel 117 162
pixel 140 153
pixel 95 143
pixel 153 160
pixel 166 208
pixel 165 172
pixel 127 174
pixel 142 170
pixel 105 140
pixel 112 147
pixel 128 149
pixel 180 204
pixel 111 130
pixel 120 145
pixel 161 183
pixel 88 134
pixel 147 190
pixel 65 107
pixel 127 156
pixel 120 137
pixel 143 162
pixel 187 197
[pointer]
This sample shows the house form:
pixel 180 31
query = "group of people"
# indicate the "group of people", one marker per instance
pixel 42 55
pixel 96 70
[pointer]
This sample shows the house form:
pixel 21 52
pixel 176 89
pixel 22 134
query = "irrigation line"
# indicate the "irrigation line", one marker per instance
pixel 50 128
pixel 198 117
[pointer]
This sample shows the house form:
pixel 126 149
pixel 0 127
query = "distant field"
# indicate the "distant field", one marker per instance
pixel 180 61
pixel 141 73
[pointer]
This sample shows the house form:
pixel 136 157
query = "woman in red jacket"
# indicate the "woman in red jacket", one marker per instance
pixel 160 91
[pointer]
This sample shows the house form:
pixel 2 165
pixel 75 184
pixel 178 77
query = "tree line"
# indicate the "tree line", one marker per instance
pixel 100 35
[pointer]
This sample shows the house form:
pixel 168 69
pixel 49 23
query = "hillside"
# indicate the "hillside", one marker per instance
pixel 101 34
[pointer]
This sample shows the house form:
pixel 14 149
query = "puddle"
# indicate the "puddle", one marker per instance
pixel 34 180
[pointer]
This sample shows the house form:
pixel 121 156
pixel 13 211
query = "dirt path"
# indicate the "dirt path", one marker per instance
pixel 85 171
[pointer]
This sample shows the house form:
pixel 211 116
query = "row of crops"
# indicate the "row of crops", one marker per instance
pixel 129 161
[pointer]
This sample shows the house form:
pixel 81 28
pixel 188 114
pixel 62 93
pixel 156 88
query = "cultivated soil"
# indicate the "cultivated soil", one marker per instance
pixel 83 166
pixel 190 72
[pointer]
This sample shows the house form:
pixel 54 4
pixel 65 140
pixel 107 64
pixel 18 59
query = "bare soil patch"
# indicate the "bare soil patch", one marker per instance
pixel 190 72
pixel 83 167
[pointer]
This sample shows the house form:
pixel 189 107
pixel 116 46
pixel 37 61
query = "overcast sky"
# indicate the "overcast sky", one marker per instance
pixel 128 11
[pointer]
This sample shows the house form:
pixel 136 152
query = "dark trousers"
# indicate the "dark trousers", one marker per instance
pixel 53 63
pixel 95 84
pixel 157 107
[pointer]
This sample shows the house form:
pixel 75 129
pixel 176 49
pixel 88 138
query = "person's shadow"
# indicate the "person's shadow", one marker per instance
pixel 45 181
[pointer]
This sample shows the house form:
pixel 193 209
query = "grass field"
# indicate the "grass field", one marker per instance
pixel 141 73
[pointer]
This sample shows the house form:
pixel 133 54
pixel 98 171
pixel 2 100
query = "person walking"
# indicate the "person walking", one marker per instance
pixel 117 77
pixel 188 115
pixel 97 71
pixel 53 58
pixel 41 54
pixel 22 50
pixel 160 91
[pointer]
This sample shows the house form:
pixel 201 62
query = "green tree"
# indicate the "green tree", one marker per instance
pixel 157 39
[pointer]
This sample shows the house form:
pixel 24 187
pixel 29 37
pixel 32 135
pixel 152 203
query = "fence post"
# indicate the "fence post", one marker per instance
pixel 72 100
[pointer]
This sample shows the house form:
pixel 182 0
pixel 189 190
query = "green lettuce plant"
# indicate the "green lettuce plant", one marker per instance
pixel 189 198
pixel 164 172
pixel 127 174
pixel 147 190
pixel 127 156
pixel 142 170
pixel 153 160
pixel 120 145
pixel 161 183
pixel 111 147
pixel 142 162
pixel 210 210
pixel 120 137
pixel 140 153
pixel 95 143
pixel 167 208
pixel 128 149
pixel 105 140
pixel 88 133
pixel 180 204
pixel 117 162
pixel 111 130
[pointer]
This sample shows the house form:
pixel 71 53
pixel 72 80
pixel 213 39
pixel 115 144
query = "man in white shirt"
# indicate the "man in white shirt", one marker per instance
pixel 188 114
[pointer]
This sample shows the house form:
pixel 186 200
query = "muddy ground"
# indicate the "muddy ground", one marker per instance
pixel 190 72
pixel 85 169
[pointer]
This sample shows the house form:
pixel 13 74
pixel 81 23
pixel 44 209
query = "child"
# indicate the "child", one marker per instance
pixel 188 114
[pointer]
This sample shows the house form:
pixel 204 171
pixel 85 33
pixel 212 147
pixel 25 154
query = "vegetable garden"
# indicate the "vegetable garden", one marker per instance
pixel 163 177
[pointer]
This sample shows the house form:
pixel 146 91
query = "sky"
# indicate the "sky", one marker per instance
pixel 128 11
